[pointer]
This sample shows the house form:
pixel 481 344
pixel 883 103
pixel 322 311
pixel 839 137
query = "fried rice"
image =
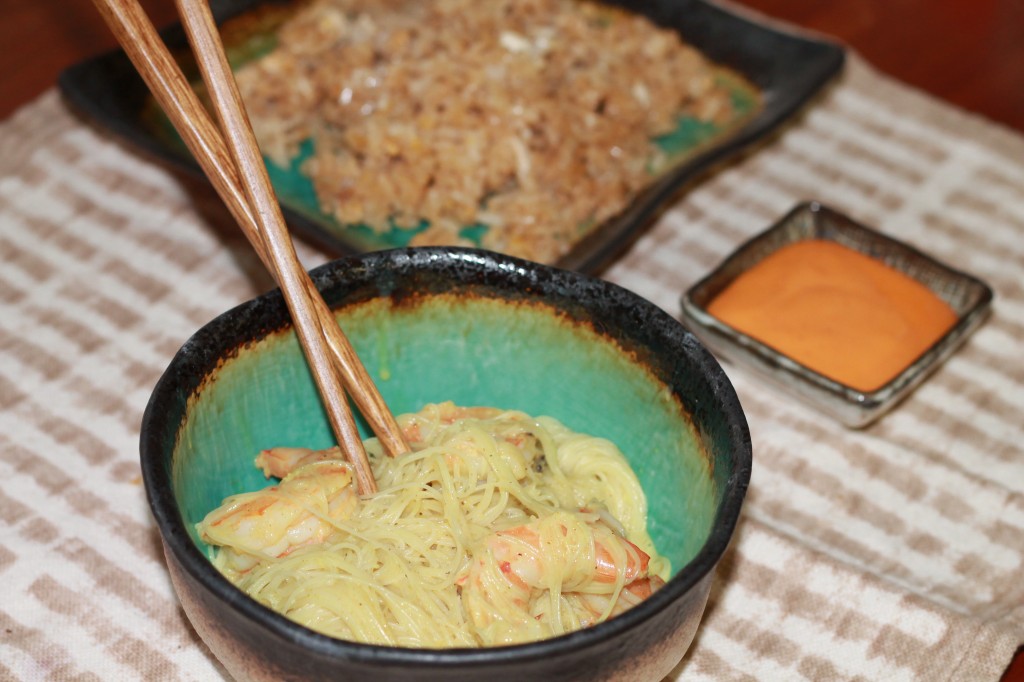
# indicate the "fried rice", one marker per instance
pixel 534 118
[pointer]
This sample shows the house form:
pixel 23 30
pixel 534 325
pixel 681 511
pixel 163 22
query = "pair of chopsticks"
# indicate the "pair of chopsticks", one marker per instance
pixel 235 167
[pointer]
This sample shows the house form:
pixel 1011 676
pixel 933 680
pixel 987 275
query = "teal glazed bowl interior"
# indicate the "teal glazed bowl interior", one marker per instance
pixel 476 328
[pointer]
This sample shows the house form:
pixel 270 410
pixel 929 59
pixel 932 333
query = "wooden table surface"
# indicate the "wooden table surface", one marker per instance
pixel 968 52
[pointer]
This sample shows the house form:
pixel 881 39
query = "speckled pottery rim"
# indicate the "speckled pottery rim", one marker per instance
pixel 627 315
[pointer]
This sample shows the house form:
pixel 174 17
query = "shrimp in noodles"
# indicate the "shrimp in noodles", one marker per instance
pixel 276 521
pixel 497 528
pixel 568 565
pixel 279 462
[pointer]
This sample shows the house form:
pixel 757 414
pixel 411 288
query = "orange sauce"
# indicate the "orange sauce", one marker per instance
pixel 835 310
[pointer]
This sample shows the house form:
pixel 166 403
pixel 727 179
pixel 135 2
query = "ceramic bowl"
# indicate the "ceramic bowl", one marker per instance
pixel 969 297
pixel 478 329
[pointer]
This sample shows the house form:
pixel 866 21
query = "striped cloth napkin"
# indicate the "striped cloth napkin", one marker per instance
pixel 891 553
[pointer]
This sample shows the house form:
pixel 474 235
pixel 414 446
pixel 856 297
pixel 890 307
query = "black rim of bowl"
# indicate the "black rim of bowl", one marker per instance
pixel 264 314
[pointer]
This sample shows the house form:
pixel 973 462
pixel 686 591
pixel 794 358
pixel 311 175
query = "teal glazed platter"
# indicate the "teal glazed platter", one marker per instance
pixel 769 73
pixel 477 328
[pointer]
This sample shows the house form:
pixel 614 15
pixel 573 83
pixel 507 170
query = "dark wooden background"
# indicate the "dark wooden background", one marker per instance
pixel 968 52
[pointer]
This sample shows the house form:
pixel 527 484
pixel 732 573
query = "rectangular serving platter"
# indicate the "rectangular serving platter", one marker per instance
pixel 785 70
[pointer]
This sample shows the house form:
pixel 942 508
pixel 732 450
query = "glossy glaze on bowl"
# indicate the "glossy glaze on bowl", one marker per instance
pixel 477 328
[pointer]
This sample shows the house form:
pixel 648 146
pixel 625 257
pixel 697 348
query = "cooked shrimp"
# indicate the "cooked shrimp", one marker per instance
pixel 277 520
pixel 613 558
pixel 517 448
pixel 585 570
pixel 280 462
pixel 418 428
pixel 601 606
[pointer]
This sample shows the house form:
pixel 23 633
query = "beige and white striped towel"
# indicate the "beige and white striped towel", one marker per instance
pixel 892 553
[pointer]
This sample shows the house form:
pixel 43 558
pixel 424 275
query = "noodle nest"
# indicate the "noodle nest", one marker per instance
pixel 497 528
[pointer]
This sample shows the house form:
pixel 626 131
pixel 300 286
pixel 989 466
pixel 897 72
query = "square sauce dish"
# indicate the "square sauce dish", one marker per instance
pixel 835 313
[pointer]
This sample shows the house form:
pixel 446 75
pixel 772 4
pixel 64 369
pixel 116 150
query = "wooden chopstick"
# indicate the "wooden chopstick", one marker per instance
pixel 163 76
pixel 284 262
